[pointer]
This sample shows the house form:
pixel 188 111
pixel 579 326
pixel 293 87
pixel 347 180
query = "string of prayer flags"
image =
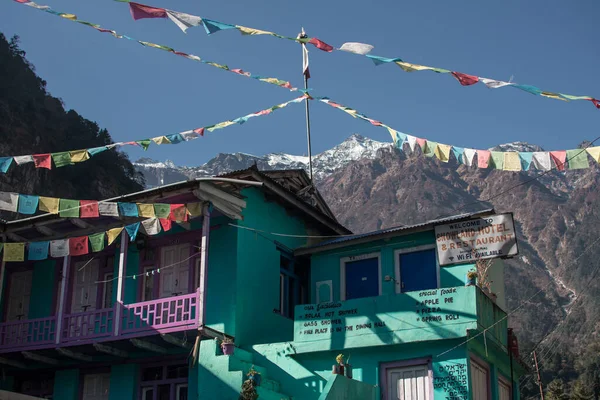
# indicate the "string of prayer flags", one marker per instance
pixel 506 161
pixel 181 137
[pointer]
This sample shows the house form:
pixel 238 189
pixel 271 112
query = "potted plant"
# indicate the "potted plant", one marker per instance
pixel 338 369
pixel 254 376
pixel 227 346
pixel 471 279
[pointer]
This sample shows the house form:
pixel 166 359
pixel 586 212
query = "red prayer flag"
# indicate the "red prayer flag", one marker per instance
pixel 375 122
pixel 42 161
pixel 178 213
pixel 88 209
pixel 421 143
pixel 22 1
pixel 78 246
pixel 319 44
pixel 559 157
pixel 596 103
pixel 165 223
pixel 464 79
pixel 483 158
pixel 199 131
pixel 139 11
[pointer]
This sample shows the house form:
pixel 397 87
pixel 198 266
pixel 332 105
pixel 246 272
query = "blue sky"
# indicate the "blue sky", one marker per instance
pixel 138 92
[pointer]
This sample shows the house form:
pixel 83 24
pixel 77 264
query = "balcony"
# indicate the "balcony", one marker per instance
pixel 167 315
pixel 435 314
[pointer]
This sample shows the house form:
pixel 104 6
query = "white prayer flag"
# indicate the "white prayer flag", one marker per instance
pixel 189 135
pixel 493 84
pixel 468 156
pixel 412 141
pixel 183 20
pixel 108 209
pixel 151 226
pixel 357 48
pixel 20 160
pixel 541 160
pixel 59 248
pixel 9 201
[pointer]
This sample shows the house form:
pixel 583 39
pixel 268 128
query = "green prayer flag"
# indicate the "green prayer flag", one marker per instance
pixel 144 143
pixel 578 159
pixel 162 210
pixel 68 208
pixel 497 159
pixel 97 241
pixel 62 159
pixel 430 150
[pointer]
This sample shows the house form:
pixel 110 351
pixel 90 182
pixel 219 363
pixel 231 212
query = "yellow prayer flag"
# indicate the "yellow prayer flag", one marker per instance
pixel 194 209
pixel 146 210
pixel 49 204
pixel 161 140
pixel 14 252
pixel 79 155
pixel 113 234
pixel 553 96
pixel 69 16
pixel 512 161
pixel 393 133
pixel 408 67
pixel 221 125
pixel 594 152
pixel 252 31
pixel 442 152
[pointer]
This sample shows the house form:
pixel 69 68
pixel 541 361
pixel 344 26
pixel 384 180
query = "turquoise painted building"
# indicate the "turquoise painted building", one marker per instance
pixel 265 265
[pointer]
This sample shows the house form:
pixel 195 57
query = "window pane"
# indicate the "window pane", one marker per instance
pixel 147 393
pixel 164 392
pixel 182 392
pixel 152 374
pixel 177 371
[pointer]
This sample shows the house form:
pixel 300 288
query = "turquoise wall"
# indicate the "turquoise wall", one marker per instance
pixel 215 380
pixel 66 384
pixel 257 283
pixel 123 382
pixel 222 275
pixel 341 388
pixel 326 266
pixel 42 288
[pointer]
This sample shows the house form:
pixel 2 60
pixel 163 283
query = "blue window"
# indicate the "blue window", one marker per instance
pixel 417 270
pixel 362 277
pixel 293 283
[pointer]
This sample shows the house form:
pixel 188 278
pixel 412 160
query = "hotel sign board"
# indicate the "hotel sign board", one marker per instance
pixel 476 239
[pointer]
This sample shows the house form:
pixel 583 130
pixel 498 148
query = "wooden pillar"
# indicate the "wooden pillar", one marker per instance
pixel 204 267
pixel 64 284
pixel 120 278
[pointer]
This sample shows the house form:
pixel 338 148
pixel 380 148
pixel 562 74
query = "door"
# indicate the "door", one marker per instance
pixel 175 270
pixel 408 383
pixel 418 270
pixel 19 295
pixel 85 289
pixel 504 390
pixel 362 278
pixel 479 381
pixel 96 386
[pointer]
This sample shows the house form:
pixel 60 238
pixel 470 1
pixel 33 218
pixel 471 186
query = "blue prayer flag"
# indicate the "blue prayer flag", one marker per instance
pixel 175 138
pixel 128 209
pixel 382 60
pixel 214 26
pixel 132 230
pixel 458 152
pixel 28 204
pixel 5 163
pixel 526 158
pixel 529 88
pixel 95 150
pixel 38 251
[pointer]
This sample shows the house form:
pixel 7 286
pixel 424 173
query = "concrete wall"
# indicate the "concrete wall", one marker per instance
pixel 42 288
pixel 341 388
pixel 257 283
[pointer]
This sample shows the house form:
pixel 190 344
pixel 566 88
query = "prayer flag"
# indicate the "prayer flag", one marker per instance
pixel 458 154
pixel 382 60
pixel 430 148
pixel 146 210
pixel 97 241
pixel 199 131
pixel 28 204
pixel 357 48
pixel 483 158
pixel 319 44
pixel 144 143
pixel 20 160
pixel 108 209
pixel 183 20
pixel 195 209
pixel 128 209
pixel 175 138
pixel 89 209
pixel 493 84
pixel 49 204
pixel 69 208
pixel 555 96
pixel 189 135
pixel 79 156
pixel 59 248
pixel 594 152
pixel 42 161
pixel 151 226
pixel 596 102
pixel 61 159
pixel 221 125
pixel 422 144
pixel 541 160
pixel 442 152
pixel 464 79
pixel 78 246
pixel 412 140
pixel 571 97
pixel 512 162
pixel 162 210
pixel 95 150
pixel 577 158
pixel 113 234
pixel 165 223
pixel 251 31
pixel 132 230
pixel 9 201
pixel 161 140
pixel 468 156
pixel 528 88
pixel 14 252
pixel 178 213
pixel 38 251
pixel 497 158
pixel 526 158
pixel 559 158
pixel 5 163
pixel 305 62
pixel 139 11
pixel 214 26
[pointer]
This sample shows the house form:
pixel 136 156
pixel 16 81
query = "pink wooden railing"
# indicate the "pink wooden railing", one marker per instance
pixel 87 325
pixel 166 314
pixel 28 333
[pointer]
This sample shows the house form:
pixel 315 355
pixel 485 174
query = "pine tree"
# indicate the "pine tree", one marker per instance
pixel 582 391
pixel 556 390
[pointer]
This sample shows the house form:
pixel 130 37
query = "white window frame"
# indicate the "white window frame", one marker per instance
pixel 407 250
pixel 506 382
pixel 359 257
pixel 108 280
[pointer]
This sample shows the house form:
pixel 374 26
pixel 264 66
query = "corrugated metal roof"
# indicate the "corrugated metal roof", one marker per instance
pixel 389 231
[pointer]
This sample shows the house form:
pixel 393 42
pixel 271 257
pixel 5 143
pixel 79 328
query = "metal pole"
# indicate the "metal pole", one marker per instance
pixel 538 375
pixel 305 73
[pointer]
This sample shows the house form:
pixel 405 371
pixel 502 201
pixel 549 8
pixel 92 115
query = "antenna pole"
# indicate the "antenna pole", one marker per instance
pixel 306 74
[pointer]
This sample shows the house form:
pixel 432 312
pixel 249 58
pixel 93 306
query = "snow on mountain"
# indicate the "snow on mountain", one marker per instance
pixel 354 148
pixel 516 146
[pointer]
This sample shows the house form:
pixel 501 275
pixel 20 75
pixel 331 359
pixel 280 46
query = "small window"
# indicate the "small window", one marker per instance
pixel 416 269
pixel 152 374
pixel 177 371
pixel 293 281
pixel 107 295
